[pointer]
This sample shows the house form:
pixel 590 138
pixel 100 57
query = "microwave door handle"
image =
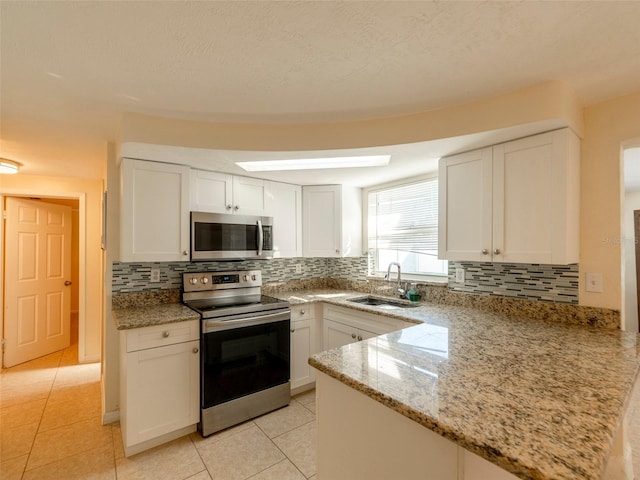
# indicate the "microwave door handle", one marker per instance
pixel 260 237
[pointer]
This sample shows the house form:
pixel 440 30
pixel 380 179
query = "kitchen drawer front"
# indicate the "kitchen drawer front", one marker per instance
pixel 302 312
pixel 370 322
pixel 161 335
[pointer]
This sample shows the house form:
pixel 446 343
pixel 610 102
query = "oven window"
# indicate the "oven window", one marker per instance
pixel 242 361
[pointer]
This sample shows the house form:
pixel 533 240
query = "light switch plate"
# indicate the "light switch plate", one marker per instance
pixel 594 282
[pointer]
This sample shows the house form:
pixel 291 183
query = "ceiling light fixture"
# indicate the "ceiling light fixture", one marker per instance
pixel 8 166
pixel 316 163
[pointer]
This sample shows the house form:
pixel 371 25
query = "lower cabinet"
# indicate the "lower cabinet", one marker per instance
pixel 342 326
pixel 159 384
pixel 303 345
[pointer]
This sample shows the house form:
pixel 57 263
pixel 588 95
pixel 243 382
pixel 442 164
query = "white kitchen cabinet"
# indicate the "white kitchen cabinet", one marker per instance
pixel 514 202
pixel 331 221
pixel 211 191
pixel 303 345
pixel 159 384
pixel 154 212
pixel 221 193
pixel 341 326
pixel 284 204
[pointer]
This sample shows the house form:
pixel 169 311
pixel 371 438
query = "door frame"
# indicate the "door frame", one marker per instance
pixel 82 253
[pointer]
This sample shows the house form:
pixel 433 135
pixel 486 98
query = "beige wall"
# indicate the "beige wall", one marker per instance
pixel 547 101
pixel 608 127
pixel 89 195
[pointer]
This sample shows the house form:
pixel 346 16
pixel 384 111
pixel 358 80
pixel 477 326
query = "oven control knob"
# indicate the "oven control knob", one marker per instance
pixel 253 277
pixel 193 281
pixel 205 280
pixel 245 278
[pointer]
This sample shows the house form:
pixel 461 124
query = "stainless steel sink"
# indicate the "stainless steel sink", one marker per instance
pixel 382 302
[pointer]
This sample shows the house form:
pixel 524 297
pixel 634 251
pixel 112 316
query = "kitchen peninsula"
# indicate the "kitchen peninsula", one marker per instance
pixel 470 391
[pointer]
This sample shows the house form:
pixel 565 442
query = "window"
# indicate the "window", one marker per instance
pixel 403 228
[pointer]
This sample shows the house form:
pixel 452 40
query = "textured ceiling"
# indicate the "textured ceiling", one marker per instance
pixel 69 69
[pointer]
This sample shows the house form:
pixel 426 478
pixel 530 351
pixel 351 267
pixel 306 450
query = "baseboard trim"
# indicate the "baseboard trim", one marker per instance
pixel 111 417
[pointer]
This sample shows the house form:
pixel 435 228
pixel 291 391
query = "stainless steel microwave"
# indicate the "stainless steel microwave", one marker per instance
pixel 220 236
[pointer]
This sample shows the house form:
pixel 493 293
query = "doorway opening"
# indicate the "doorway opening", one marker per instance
pixel 70 315
pixel 630 239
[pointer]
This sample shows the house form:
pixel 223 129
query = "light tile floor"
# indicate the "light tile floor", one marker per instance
pixel 50 428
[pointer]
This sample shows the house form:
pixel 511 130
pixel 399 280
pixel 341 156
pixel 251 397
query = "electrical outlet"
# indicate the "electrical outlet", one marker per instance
pixel 298 268
pixel 459 275
pixel 594 282
pixel 155 275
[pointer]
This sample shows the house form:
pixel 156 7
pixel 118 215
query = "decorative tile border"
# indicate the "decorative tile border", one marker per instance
pixel 547 283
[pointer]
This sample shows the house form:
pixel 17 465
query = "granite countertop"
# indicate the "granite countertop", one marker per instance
pixel 540 399
pixel 148 315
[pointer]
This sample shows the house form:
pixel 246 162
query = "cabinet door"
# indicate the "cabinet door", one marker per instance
pixel 321 221
pixel 464 206
pixel 211 192
pixel 284 204
pixel 154 212
pixel 531 195
pixel 302 342
pixel 337 334
pixel 249 196
pixel 162 390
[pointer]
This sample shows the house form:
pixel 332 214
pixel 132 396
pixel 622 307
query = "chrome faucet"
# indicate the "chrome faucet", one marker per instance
pixel 400 290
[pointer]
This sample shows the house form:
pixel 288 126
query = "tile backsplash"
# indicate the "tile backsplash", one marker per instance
pixel 136 277
pixel 549 283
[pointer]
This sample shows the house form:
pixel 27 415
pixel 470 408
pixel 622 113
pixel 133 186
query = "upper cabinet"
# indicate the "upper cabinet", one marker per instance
pixel 331 221
pixel 514 202
pixel 222 193
pixel 284 204
pixel 154 212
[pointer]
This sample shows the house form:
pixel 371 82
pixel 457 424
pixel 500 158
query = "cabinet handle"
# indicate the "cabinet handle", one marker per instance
pixel 293 330
pixel 165 334
pixel 195 350
pixel 353 335
pixel 229 207
pixel 184 252
pixel 359 338
pixel 237 207
pixel 496 251
pixel 485 251
pixel 301 312
pixel 337 250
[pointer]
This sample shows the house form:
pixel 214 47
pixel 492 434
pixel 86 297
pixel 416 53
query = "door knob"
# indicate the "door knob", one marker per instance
pixel 67 283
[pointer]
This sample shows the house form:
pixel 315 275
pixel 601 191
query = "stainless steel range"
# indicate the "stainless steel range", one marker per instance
pixel 245 345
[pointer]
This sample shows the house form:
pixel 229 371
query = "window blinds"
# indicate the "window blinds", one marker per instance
pixel 405 218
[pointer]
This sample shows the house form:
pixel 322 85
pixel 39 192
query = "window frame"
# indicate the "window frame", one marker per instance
pixel 379 274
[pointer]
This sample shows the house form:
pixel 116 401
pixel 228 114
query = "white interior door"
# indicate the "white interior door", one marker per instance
pixel 37 279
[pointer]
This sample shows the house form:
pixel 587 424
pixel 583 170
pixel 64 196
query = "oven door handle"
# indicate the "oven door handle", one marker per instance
pixel 217 325
pixel 260 237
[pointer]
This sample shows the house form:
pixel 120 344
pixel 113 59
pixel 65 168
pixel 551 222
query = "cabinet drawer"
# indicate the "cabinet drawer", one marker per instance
pixel 368 322
pixel 302 312
pixel 160 335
